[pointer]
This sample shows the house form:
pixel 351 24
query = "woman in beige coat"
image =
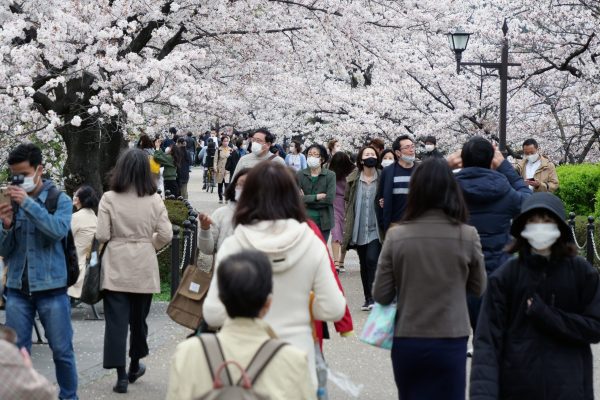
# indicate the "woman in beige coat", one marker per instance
pixel 223 177
pixel 83 226
pixel 133 219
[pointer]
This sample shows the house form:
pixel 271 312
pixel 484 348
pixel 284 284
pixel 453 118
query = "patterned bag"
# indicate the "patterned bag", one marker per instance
pixel 379 328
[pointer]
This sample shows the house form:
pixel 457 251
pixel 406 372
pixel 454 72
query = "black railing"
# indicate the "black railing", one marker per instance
pixel 589 246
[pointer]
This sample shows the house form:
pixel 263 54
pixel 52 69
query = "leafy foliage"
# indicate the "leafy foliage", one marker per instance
pixel 578 187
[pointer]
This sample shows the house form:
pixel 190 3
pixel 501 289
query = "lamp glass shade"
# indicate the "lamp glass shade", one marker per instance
pixel 458 41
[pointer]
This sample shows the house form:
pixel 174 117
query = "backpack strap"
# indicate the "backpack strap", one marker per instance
pixel 214 355
pixel 262 358
pixel 51 202
pixel 272 157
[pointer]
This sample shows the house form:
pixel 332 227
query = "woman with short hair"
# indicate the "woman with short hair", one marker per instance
pixel 134 221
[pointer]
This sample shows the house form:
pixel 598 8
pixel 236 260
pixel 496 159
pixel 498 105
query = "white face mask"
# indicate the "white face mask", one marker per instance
pixel 238 193
pixel 313 162
pixel 256 147
pixel 408 159
pixel 533 157
pixel 385 163
pixel 541 236
pixel 167 150
pixel 429 148
pixel 29 183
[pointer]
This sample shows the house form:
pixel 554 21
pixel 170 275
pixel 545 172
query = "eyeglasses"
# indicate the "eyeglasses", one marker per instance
pixel 409 147
pixel 259 141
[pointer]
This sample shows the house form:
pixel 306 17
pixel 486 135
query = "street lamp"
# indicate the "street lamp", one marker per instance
pixel 458 43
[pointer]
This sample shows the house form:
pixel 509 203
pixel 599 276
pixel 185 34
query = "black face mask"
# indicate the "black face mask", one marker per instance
pixel 369 162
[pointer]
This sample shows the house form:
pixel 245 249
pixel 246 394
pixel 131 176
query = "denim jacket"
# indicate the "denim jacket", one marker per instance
pixel 34 240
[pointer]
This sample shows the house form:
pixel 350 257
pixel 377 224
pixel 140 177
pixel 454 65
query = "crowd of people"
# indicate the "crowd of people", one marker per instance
pixel 434 235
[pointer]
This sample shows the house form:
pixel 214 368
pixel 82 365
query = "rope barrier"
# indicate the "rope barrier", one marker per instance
pixel 575 240
pixel 186 241
pixel 159 252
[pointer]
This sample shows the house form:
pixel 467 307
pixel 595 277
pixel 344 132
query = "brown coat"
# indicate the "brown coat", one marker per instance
pixel 428 265
pixel 545 174
pixel 136 227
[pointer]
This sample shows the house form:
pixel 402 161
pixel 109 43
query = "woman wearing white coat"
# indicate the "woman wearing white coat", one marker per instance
pixel 270 218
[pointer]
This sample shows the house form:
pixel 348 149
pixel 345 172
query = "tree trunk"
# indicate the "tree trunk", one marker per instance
pixel 92 152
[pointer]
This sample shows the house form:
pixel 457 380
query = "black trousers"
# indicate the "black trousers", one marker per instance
pixel 368 255
pixel 122 311
pixel 172 187
pixel 220 188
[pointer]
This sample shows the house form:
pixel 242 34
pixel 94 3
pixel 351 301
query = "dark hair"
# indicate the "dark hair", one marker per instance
pixel 132 171
pixel 239 142
pixel 529 142
pixel 230 191
pixel 340 164
pixel 270 193
pixel 181 140
pixel 563 247
pixel 225 137
pixel 378 144
pixel 396 144
pixel 297 145
pixel 245 281
pixel 433 186
pixel 88 198
pixel 359 162
pixel 179 155
pixel 173 130
pixel 145 142
pixel 189 133
pixel 430 139
pixel 322 152
pixel 269 137
pixel 25 152
pixel 477 152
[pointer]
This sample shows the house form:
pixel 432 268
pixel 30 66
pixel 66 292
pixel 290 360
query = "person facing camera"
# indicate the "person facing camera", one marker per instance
pixel 245 289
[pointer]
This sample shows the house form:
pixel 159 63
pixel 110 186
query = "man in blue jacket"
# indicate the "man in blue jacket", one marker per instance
pixel 494 193
pixel 31 244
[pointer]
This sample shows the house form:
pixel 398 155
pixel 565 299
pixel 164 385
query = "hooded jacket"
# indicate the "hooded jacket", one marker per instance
pixel 494 198
pixel 300 265
pixel 540 351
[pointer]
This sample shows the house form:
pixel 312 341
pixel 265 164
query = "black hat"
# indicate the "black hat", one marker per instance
pixel 430 139
pixel 541 201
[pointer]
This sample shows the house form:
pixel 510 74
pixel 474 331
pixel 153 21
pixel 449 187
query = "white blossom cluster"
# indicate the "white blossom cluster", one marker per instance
pixel 348 69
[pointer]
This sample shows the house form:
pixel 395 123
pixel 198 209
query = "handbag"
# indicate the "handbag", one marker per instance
pixel 185 307
pixel 91 291
pixel 379 328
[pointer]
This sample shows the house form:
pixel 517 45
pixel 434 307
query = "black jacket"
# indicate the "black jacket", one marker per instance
pixel 540 352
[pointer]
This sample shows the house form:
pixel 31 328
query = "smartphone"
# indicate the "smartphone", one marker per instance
pixel 4 197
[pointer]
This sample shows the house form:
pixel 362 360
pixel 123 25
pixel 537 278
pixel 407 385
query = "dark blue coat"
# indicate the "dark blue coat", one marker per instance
pixel 494 198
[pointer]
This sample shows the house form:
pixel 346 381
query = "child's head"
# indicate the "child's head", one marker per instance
pixel 541 226
pixel 245 283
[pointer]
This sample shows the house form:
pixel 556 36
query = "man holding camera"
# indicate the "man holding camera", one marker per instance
pixel 31 244
pixel 537 171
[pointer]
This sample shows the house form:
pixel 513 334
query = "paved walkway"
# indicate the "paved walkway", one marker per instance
pixel 364 365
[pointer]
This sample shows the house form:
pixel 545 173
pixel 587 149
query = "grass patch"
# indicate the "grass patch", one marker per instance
pixel 165 292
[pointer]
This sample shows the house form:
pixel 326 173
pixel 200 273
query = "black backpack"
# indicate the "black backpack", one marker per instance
pixel 68 242
pixel 211 150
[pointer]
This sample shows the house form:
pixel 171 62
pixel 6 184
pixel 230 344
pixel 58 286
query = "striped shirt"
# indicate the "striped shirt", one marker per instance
pixel 400 191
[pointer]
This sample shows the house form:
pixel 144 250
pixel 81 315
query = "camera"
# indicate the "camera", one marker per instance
pixel 17 179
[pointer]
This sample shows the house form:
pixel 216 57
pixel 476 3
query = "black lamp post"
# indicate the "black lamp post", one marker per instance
pixel 458 42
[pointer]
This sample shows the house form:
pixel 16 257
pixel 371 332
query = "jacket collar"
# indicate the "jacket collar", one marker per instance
pixel 543 163
pixel 254 327
pixel 306 171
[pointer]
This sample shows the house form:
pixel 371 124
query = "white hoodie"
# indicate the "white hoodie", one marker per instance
pixel 300 265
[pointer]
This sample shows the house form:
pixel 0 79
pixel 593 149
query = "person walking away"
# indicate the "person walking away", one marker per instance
pixel 427 264
pixel 246 290
pixel 295 159
pixel 317 187
pixel 494 194
pixel 190 146
pixel 431 149
pixel 362 231
pixel 134 223
pixel 537 171
pixel 31 243
pixel 223 176
pixel 182 160
pixel 392 192
pixel 539 315
pixel 261 141
pixel 217 227
pixel 169 173
pixel 83 227
pixel 341 166
pixel 270 218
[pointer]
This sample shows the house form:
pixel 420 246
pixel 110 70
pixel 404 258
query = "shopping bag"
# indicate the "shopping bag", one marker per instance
pixel 379 328
pixel 91 291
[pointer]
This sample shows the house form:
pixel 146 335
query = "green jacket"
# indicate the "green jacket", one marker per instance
pixel 166 160
pixel 352 182
pixel 324 184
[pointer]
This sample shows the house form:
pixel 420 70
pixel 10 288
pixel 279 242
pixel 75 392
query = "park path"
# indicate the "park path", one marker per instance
pixel 364 365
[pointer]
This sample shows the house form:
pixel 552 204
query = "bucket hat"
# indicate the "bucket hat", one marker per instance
pixel 541 201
